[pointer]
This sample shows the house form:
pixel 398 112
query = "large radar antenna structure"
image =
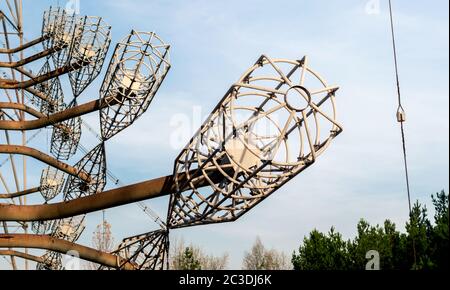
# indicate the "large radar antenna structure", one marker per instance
pixel 274 122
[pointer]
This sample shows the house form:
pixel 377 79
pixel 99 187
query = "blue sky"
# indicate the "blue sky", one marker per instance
pixel 214 42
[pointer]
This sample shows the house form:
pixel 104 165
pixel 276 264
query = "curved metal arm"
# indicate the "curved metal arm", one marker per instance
pixel 39 94
pixel 31 90
pixel 21 107
pixel 107 199
pixel 24 46
pixel 21 255
pixel 30 59
pixel 14 85
pixel 31 111
pixel 44 120
pixel 20 193
pixel 61 246
pixel 23 150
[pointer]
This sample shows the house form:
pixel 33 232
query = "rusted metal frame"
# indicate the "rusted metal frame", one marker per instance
pixel 143 105
pixel 24 46
pixel 27 141
pixel 20 193
pixel 11 10
pixel 5 115
pixel 31 90
pixel 5 30
pixel 195 174
pixel 13 164
pixel 307 165
pixel 18 6
pixel 158 236
pixel 162 252
pixel 13 260
pixel 111 198
pixel 239 186
pixel 20 107
pixel 10 100
pixel 44 120
pixel 41 95
pixel 61 246
pixel 5 224
pixel 14 85
pixel 23 150
pixel 22 255
pixel 18 9
pixel 283 135
pixel 237 216
pixel 288 75
pixel 25 72
pixel 3 15
pixel 30 59
pixel 35 113
pixel 5 185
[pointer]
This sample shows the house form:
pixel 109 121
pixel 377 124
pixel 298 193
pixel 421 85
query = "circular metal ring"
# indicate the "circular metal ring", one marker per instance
pixel 302 91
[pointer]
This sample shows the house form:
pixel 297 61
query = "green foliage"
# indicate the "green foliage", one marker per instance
pixel 192 257
pixel 187 261
pixel 418 229
pixel 321 251
pixel 396 250
pixel 386 240
pixel 439 247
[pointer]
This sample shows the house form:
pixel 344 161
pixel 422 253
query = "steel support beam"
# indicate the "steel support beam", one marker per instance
pixel 22 255
pixel 20 193
pixel 45 121
pixel 30 59
pixel 61 246
pixel 107 199
pixel 14 85
pixel 24 46
pixel 27 151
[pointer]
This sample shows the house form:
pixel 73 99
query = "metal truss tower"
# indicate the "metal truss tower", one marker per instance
pixel 274 122
pixel 12 36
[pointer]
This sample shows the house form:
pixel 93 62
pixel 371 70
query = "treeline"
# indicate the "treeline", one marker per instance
pixel 423 246
pixel 258 258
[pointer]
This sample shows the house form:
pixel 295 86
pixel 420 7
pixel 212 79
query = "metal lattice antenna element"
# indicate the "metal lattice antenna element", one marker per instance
pixel 69 229
pixel 51 261
pixel 147 251
pixel 94 164
pixel 138 67
pixel 50 21
pixel 147 210
pixel 66 137
pixel 78 40
pixel 60 29
pixel 52 90
pixel 90 46
pixel 52 181
pixel 41 227
pixel 270 126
